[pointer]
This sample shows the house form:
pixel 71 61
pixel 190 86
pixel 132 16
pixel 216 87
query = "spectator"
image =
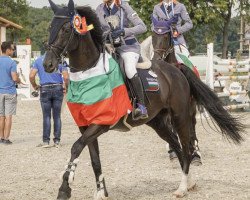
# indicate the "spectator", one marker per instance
pixel 52 87
pixel 8 93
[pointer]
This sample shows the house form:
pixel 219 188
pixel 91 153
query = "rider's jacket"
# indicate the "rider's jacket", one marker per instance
pixel 164 12
pixel 131 23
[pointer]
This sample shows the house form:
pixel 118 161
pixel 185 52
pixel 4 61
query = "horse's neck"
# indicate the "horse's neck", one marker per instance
pixel 85 56
pixel 171 58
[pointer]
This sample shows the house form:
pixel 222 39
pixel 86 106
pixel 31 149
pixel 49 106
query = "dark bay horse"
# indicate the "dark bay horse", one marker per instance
pixel 173 99
pixel 163 49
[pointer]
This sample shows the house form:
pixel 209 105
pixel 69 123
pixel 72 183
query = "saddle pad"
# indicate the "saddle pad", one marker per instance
pixel 149 80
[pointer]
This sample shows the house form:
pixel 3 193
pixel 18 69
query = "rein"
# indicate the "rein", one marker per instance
pixel 164 52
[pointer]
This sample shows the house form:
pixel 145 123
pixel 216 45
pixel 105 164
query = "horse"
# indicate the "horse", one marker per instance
pixel 162 48
pixel 173 99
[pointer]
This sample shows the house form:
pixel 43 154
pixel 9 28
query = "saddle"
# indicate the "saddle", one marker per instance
pixel 148 79
pixel 144 70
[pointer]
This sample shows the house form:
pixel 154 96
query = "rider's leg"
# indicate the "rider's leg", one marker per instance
pixel 130 62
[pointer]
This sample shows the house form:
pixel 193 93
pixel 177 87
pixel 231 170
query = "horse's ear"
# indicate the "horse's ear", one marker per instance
pixel 71 8
pixel 53 6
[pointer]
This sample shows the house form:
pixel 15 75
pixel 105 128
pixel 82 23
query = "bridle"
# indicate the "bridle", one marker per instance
pixel 55 48
pixel 164 52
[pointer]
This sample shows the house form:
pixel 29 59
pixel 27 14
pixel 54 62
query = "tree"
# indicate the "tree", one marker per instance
pixel 16 11
pixel 210 18
pixel 39 20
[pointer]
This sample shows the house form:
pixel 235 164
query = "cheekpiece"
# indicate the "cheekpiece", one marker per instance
pixel 80 26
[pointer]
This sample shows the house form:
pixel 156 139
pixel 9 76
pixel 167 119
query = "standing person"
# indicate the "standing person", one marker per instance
pixel 8 93
pixel 169 9
pixel 129 26
pixel 52 87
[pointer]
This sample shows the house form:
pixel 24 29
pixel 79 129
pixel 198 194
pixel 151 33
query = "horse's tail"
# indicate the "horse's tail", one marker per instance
pixel 229 125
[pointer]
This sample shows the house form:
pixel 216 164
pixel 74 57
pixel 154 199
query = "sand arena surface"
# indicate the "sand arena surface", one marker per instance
pixel 135 164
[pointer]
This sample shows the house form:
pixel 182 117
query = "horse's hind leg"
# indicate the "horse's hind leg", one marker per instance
pixel 89 135
pixel 101 193
pixel 161 125
pixel 182 124
pixel 194 148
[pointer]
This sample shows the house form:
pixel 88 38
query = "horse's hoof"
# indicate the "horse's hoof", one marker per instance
pixel 192 187
pixel 180 193
pixel 196 160
pixel 63 196
pixel 100 195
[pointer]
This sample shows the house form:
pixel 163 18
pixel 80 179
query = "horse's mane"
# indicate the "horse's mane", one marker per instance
pixel 91 18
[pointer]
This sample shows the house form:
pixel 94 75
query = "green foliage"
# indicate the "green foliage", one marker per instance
pixel 210 19
pixel 144 9
pixel 39 20
pixel 16 11
pixel 35 21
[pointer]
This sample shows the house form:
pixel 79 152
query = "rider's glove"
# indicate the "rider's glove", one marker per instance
pixel 174 19
pixel 117 33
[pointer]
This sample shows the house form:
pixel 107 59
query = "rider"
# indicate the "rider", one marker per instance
pixel 168 9
pixel 177 12
pixel 130 48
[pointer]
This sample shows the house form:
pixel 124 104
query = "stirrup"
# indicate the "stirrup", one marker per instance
pixel 140 112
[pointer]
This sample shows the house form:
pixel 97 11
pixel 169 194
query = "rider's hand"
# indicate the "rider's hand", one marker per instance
pixel 175 34
pixel 117 33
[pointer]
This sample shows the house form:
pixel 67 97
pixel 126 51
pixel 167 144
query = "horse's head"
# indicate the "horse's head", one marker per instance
pixel 162 39
pixel 60 33
pixel 69 30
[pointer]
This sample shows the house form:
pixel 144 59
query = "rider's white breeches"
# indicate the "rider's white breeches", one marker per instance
pixel 130 62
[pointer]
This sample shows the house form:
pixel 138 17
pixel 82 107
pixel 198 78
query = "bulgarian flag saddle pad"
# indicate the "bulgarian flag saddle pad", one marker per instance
pixel 98 95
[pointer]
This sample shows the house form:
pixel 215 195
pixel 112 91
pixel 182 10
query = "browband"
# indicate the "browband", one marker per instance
pixel 62 17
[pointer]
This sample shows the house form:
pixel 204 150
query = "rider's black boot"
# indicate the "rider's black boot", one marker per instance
pixel 141 111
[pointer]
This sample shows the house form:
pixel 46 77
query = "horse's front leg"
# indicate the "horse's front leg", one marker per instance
pixel 101 193
pixel 89 135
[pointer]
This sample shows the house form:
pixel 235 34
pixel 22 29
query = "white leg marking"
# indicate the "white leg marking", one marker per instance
pixel 182 190
pixel 191 182
pixel 100 195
